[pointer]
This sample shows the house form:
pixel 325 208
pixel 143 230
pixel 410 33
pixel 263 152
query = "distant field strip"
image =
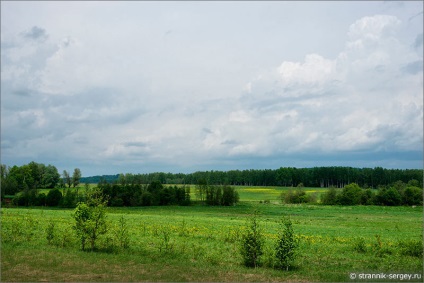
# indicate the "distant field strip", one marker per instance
pixel 248 193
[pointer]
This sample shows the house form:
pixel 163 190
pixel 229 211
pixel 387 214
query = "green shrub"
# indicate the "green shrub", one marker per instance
pixel 229 196
pixel 19 230
pixel 90 219
pixel 329 197
pixel 50 232
pixel 165 243
pixel 53 197
pixel 116 201
pixel 411 248
pixel 252 242
pixel 62 237
pixel 389 197
pixel 41 199
pixel 379 249
pixel 121 233
pixel 350 195
pixel 297 196
pixel 286 245
pixel 69 199
pixel 359 245
pixel 367 197
pixel 413 196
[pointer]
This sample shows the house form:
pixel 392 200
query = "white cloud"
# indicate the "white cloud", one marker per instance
pixel 110 90
pixel 373 29
pixel 315 70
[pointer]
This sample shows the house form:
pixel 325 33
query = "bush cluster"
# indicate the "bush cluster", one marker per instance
pixel 298 196
pixel 145 195
pixel 221 195
pixel 398 193
pixel 283 253
pixel 379 248
pixel 69 198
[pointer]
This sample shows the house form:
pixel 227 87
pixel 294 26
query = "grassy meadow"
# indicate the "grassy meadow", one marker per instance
pixel 201 243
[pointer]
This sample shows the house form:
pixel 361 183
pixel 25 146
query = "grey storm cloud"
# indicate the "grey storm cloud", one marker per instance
pixel 413 67
pixel 36 33
pixel 418 43
pixel 136 144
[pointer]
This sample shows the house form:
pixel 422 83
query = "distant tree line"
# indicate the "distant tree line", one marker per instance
pixel 212 187
pixel 284 176
pixel 100 178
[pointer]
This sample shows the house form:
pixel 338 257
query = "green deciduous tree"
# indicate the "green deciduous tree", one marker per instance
pixel 66 178
pixel 76 176
pixel 229 196
pixel 50 177
pixel 201 188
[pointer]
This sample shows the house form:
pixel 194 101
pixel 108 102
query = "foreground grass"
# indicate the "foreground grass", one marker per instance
pixel 200 243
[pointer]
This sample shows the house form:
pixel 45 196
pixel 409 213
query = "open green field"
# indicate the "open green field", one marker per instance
pixel 271 194
pixel 201 243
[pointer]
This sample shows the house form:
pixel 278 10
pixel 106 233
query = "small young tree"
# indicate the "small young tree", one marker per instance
pixel 76 176
pixel 121 233
pixel 286 245
pixel 187 199
pixel 201 188
pixel 67 179
pixel 252 243
pixel 90 219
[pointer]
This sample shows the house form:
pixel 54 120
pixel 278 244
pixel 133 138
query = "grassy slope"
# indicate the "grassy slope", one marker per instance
pixel 203 245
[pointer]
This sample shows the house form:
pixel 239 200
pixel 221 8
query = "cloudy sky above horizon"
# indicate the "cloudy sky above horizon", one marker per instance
pixel 113 87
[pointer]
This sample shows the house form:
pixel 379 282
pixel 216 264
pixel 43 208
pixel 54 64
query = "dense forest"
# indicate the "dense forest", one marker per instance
pixel 284 176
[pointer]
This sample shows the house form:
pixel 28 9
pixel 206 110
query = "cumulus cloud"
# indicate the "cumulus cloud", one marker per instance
pixel 315 70
pixel 367 98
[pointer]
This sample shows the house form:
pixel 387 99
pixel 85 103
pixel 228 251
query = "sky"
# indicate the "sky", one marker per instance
pixel 137 87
